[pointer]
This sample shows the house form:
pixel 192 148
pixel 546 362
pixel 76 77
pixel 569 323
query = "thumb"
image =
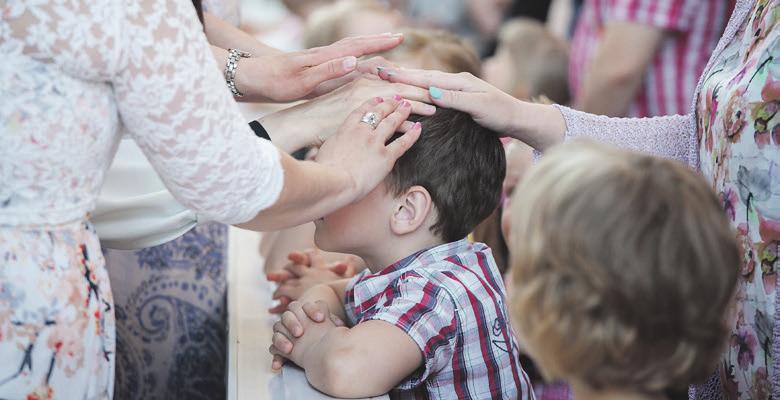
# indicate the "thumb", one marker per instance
pixel 299 257
pixel 339 268
pixel 332 69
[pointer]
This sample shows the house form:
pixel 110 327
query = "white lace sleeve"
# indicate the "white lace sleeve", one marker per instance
pixel 174 102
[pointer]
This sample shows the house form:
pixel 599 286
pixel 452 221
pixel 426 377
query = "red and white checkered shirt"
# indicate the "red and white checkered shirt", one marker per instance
pixel 451 301
pixel 670 80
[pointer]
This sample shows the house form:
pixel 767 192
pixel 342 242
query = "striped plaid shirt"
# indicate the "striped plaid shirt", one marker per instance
pixel 450 300
pixel 670 80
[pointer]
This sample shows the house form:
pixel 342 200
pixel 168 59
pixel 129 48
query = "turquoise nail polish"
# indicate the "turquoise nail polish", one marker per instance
pixel 435 92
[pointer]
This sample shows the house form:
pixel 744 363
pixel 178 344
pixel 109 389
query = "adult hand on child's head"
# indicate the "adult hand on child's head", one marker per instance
pixel 361 150
pixel 367 69
pixel 292 76
pixel 289 341
pixel 489 106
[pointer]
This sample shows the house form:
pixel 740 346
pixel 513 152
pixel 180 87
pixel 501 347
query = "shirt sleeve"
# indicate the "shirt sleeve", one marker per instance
pixel 174 103
pixel 428 315
pixel 673 15
pixel 669 136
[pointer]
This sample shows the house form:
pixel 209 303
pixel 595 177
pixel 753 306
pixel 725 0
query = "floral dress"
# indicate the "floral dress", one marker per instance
pixel 74 73
pixel 737 116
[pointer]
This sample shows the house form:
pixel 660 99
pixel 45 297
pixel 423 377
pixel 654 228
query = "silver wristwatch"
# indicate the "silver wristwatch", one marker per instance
pixel 231 67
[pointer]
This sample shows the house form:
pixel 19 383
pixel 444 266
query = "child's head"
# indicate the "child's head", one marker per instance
pixel 530 62
pixel 623 268
pixel 347 18
pixel 437 192
pixel 435 50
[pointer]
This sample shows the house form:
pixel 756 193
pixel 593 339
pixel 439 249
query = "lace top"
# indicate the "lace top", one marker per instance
pixel 75 71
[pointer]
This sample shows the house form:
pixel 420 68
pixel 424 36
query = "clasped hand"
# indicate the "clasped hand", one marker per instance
pixel 300 329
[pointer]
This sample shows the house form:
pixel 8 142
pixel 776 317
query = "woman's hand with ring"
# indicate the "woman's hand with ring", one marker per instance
pixel 362 151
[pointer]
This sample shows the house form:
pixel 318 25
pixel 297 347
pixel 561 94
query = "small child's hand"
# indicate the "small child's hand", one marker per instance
pixel 288 341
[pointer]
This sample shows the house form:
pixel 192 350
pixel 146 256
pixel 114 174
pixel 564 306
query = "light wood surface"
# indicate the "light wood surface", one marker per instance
pixel 249 330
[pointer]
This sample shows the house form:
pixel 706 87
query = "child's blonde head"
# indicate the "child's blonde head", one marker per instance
pixel 436 50
pixel 539 60
pixel 345 18
pixel 623 268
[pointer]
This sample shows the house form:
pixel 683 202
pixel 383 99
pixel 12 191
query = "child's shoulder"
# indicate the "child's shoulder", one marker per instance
pixel 466 268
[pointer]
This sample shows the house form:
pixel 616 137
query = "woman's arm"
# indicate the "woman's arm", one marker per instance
pixel 174 103
pixel 542 126
pixel 226 36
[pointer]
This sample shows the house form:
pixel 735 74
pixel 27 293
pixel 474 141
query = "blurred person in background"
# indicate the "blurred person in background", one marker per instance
pixel 646 54
pixel 346 18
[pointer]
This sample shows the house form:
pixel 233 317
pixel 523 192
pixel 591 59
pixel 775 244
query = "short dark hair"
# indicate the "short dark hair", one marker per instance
pixel 460 163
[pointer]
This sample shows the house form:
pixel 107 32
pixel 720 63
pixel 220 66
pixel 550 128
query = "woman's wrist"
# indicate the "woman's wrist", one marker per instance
pixel 288 131
pixel 540 126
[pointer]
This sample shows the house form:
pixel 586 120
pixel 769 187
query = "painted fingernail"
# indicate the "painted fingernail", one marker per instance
pixel 429 108
pixel 406 104
pixel 349 63
pixel 435 92
pixel 397 97
pixel 417 125
pixel 379 99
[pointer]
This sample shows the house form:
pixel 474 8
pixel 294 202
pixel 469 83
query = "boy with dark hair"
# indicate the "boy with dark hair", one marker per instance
pixel 428 317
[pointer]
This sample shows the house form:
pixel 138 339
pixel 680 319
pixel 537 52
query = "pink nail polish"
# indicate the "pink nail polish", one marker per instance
pixel 397 97
pixel 406 104
pixel 379 99
pixel 417 125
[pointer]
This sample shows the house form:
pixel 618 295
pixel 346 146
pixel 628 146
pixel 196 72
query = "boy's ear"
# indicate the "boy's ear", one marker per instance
pixel 411 210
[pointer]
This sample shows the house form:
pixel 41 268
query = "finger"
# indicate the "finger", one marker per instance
pixel 339 268
pixel 290 290
pixel 298 257
pixel 375 64
pixel 333 69
pixel 315 257
pixel 278 276
pixel 367 106
pixel 277 362
pixel 314 312
pixel 390 125
pixel 281 307
pixel 323 308
pixel 468 102
pixel 290 321
pixel 336 320
pixel 354 46
pixel 410 92
pixel 282 343
pixel 400 145
pixel 296 270
pixel 426 78
pixel 421 108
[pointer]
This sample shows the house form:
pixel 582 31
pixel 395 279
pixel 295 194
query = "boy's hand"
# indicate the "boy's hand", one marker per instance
pixel 305 270
pixel 289 341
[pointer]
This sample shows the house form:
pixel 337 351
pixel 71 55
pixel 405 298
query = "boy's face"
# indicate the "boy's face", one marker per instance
pixel 358 227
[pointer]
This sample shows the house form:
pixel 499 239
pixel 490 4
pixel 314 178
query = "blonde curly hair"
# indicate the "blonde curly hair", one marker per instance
pixel 623 268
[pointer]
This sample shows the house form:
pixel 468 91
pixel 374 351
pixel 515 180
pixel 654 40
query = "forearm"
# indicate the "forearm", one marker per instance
pixel 670 136
pixel 310 191
pixel 226 36
pixel 342 358
pixel 615 74
pixel 294 128
pixel 248 80
pixel 541 126
pixel 608 91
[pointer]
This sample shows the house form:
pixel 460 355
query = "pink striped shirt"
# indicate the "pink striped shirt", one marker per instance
pixel 671 78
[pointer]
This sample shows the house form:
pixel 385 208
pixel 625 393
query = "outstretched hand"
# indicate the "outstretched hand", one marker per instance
pixel 538 125
pixel 296 75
